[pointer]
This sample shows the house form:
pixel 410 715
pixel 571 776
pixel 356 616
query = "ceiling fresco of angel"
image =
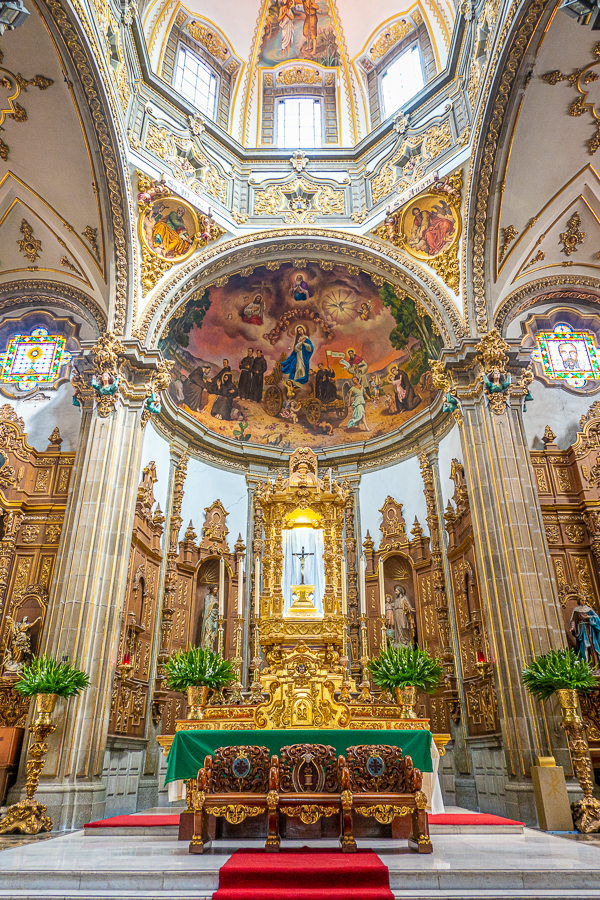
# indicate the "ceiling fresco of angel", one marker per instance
pixel 313 356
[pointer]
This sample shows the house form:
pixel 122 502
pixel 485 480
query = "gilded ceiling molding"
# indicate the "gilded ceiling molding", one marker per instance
pixel 14 84
pixel 14 294
pixel 373 254
pixel 489 151
pixel 580 79
pixel 556 288
pixel 118 198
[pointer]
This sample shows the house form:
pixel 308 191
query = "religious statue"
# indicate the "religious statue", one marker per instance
pixel 404 619
pixel 389 619
pixel 210 619
pixel 302 557
pixel 585 628
pixel 17 653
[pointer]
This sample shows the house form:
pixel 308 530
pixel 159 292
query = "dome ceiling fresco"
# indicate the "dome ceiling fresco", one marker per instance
pixel 313 355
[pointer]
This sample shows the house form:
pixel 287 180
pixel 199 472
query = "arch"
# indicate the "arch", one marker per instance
pixel 553 289
pixel 374 258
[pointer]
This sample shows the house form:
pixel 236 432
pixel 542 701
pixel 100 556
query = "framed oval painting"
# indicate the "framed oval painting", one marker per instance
pixel 431 226
pixel 169 228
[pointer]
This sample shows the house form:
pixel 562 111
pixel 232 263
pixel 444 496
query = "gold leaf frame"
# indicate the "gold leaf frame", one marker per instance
pixel 146 208
pixel 421 199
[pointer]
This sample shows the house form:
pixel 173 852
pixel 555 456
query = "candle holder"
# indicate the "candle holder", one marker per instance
pixel 237 686
pixel 482 665
pixel 221 634
pixel 125 666
pixel 27 816
pixel 384 641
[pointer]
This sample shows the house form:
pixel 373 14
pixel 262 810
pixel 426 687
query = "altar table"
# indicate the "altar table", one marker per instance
pixel 189 748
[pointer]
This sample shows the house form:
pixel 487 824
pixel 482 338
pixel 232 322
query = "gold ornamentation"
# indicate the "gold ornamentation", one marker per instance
pixel 299 201
pixel 445 198
pixel 421 149
pixel 153 269
pixel 575 533
pixel 572 236
pixel 492 354
pixel 27 816
pixel 14 84
pixel 29 533
pixel 586 812
pixel 309 813
pixel 384 813
pixel 444 381
pixel 234 814
pixel 187 161
pixel 208 39
pixel 508 235
pixel 29 245
pixel 540 256
pixel 42 479
pixel 390 37
pixel 553 534
pixel 299 75
pixel 91 236
pixel 580 79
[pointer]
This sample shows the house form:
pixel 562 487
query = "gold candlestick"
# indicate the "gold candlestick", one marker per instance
pixel 586 812
pixel 365 686
pixel 237 686
pixel 221 634
pixel 27 816
pixel 256 694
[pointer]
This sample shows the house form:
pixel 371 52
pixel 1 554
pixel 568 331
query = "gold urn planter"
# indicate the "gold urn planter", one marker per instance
pixel 586 812
pixel 407 699
pixel 197 697
pixel 27 816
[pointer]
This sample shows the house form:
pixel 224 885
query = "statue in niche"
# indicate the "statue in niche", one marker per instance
pixel 585 628
pixel 404 619
pixel 17 653
pixel 210 619
pixel 389 620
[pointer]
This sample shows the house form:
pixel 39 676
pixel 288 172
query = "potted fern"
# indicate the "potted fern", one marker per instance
pixel 196 671
pixel 406 671
pixel 565 673
pixel 46 679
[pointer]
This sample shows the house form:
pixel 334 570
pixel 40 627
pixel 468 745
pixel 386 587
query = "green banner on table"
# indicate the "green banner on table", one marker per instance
pixel 189 748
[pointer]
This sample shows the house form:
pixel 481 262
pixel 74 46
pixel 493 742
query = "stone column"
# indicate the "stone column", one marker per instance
pixel 485 387
pixel 89 584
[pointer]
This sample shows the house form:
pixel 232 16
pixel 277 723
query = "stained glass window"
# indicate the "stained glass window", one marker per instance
pixel 33 358
pixel 567 355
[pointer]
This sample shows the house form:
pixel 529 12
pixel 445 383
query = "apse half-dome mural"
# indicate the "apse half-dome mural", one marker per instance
pixel 316 356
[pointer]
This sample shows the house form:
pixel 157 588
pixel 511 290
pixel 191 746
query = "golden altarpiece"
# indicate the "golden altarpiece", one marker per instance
pixel 300 669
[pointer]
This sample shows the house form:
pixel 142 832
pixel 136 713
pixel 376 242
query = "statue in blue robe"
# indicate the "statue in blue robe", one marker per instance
pixel 296 366
pixel 585 628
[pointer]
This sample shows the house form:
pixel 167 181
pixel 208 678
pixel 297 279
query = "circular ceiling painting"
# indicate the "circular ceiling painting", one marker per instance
pixel 313 356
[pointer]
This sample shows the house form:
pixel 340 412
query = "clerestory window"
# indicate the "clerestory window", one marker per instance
pixel 195 80
pixel 299 123
pixel 402 80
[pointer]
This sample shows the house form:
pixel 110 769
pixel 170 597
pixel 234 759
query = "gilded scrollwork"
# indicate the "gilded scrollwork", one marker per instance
pixel 299 201
pixel 581 79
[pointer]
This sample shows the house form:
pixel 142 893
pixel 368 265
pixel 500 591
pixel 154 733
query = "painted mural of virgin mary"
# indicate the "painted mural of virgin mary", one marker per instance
pixel 296 366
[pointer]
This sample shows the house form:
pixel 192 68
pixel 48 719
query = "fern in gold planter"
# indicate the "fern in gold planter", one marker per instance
pixel 46 679
pixel 565 673
pixel 406 671
pixel 196 671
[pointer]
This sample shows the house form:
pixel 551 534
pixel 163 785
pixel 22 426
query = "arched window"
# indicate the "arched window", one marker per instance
pixel 299 123
pixel 195 80
pixel 402 80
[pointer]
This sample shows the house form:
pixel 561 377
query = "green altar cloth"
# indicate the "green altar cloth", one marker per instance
pixel 189 748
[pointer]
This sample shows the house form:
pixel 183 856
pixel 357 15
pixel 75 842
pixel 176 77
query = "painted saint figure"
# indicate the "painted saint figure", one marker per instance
pixel 356 400
pixel 259 367
pixel 169 233
pixel 325 389
pixel 252 314
pixel 296 366
pixel 194 386
pixel 221 408
pixel 246 375
pixel 300 290
pixel 431 229
pixel 311 25
pixel 405 397
pixel 286 26
pixel 210 619
pixel 358 366
pixel 585 628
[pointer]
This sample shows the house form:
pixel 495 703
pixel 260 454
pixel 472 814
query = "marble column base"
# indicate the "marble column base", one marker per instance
pixel 70 805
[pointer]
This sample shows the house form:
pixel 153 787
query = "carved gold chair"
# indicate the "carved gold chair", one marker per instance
pixel 385 786
pixel 236 783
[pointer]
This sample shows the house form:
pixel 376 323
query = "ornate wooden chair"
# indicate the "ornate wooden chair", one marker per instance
pixel 385 785
pixel 313 785
pixel 236 783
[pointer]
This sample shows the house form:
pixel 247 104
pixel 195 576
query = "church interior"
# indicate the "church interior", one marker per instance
pixel 299 449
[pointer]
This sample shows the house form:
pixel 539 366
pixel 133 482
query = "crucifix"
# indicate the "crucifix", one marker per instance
pixel 302 557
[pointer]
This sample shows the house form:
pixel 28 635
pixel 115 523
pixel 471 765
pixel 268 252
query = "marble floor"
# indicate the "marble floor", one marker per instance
pixel 78 867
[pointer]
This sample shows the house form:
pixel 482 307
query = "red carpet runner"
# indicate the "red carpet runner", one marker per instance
pixel 303 874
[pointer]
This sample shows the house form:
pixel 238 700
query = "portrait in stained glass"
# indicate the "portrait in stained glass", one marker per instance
pixel 567 355
pixel 33 358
